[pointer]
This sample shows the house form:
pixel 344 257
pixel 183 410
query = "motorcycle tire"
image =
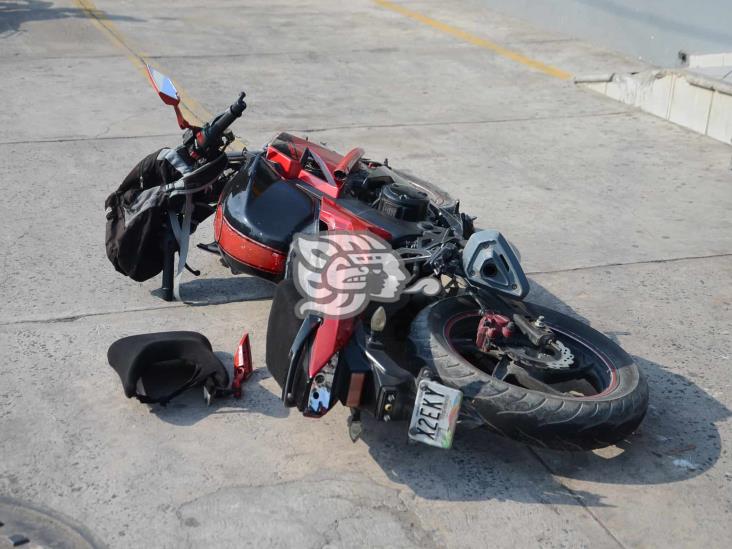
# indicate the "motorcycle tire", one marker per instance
pixel 549 420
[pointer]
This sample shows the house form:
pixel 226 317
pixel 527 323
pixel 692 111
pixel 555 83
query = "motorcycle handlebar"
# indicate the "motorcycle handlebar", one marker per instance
pixel 226 119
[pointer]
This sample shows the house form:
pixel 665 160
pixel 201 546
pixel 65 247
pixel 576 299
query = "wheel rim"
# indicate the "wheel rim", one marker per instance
pixel 591 377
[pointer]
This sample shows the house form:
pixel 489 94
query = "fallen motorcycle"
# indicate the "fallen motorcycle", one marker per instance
pixel 470 351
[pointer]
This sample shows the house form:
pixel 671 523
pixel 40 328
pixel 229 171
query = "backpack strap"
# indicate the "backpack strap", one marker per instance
pixel 180 222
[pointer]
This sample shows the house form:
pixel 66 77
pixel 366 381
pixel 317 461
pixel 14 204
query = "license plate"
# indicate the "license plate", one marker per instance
pixel 435 414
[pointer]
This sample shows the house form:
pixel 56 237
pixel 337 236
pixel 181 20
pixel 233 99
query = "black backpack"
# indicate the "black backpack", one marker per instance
pixel 139 211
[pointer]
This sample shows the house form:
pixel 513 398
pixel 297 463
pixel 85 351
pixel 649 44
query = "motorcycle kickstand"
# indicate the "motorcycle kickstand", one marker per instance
pixel 169 249
pixel 355 427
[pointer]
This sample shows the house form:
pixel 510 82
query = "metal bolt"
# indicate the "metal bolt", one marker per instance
pixel 387 417
pixel 388 408
pixel 391 398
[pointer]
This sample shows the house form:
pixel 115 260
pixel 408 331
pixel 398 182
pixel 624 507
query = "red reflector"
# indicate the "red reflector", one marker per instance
pixel 355 388
pixel 242 364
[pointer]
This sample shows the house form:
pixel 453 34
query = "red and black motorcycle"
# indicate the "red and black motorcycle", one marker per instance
pixel 470 352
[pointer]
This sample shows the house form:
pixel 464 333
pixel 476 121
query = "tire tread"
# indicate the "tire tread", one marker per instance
pixel 535 418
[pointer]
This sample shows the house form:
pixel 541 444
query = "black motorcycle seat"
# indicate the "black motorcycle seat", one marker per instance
pixel 159 360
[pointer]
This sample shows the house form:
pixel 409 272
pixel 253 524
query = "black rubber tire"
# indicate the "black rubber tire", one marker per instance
pixel 539 419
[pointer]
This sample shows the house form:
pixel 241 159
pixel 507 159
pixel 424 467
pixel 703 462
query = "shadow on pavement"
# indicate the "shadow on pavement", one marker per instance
pixel 217 291
pixel 14 14
pixel 483 466
pixel 480 466
pixel 678 439
pixel 190 408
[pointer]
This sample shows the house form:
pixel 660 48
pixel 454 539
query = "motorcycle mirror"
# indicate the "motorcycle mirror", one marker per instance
pixel 164 86
pixel 167 92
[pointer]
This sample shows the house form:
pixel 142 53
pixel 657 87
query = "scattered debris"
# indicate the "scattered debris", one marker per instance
pixel 685 464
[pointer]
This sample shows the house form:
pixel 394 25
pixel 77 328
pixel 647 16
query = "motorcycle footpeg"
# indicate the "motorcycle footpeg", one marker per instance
pixel 212 247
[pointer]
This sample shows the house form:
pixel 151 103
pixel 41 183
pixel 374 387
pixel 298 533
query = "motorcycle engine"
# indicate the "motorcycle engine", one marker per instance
pixel 403 202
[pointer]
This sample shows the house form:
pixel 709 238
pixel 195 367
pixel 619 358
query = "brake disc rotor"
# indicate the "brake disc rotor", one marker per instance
pixel 24 525
pixel 561 359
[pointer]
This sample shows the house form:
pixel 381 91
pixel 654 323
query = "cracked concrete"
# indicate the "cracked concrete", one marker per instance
pixel 290 513
pixel 622 221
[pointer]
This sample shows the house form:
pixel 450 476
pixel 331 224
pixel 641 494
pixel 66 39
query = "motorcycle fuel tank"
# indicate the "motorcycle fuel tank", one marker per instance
pixel 257 216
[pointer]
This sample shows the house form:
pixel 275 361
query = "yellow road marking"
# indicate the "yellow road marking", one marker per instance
pixel 195 112
pixel 476 40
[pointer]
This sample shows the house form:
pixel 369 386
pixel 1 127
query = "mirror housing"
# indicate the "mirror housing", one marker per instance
pixel 167 92
pixel 164 86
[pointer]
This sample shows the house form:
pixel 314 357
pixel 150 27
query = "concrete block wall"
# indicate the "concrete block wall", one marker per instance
pixel 701 104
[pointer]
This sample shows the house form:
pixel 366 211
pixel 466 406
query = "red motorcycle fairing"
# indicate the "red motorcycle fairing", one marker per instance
pixel 330 338
pixel 258 215
pixel 254 226
pixel 334 333
pixel 288 152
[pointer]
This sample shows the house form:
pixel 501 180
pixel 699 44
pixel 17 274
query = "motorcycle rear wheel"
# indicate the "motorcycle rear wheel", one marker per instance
pixel 607 414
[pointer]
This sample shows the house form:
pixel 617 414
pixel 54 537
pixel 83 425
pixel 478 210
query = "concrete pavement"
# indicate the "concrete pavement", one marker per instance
pixel 623 219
